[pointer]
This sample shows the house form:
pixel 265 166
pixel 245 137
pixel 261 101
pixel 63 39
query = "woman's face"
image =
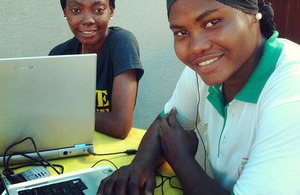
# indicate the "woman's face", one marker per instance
pixel 215 40
pixel 88 19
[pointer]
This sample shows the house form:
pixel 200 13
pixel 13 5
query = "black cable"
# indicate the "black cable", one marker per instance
pixel 6 163
pixel 107 161
pixel 4 184
pixel 163 180
pixel 128 152
pixel 44 165
pixel 7 170
pixel 196 123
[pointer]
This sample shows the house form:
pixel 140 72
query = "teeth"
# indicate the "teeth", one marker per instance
pixel 88 32
pixel 207 62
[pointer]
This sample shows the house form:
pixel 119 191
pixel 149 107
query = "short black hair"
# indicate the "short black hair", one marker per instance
pixel 63 3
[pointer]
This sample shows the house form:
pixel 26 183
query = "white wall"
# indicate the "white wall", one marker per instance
pixel 34 27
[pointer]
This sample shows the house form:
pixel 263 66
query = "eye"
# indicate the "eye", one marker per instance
pixel 75 10
pixel 212 23
pixel 99 10
pixel 181 33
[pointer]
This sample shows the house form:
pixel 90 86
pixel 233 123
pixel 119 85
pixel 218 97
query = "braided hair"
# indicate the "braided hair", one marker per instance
pixel 267 23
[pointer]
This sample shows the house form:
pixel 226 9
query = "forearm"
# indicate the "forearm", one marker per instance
pixel 111 124
pixel 118 121
pixel 149 151
pixel 195 180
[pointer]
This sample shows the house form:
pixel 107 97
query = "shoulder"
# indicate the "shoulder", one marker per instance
pixel 290 51
pixel 284 82
pixel 189 82
pixel 68 47
pixel 118 34
pixel 116 31
pixel 289 61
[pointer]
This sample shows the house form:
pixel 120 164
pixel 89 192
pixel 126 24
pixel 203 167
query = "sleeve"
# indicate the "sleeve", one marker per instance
pixel 185 99
pixel 273 165
pixel 125 54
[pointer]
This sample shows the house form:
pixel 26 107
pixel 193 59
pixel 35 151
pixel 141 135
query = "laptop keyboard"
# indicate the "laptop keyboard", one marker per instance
pixel 70 187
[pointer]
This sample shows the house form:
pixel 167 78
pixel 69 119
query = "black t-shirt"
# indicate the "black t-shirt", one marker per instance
pixel 120 52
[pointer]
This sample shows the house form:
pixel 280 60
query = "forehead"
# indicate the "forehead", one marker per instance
pixel 88 1
pixel 182 8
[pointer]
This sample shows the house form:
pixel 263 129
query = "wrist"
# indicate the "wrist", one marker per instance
pixel 184 162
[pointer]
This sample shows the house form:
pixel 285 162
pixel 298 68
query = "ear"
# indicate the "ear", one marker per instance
pixel 64 12
pixel 112 11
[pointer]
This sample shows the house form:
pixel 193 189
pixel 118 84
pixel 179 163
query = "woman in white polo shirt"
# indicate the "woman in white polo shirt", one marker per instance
pixel 241 87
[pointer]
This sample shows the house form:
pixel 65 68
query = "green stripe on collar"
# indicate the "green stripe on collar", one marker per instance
pixel 258 79
pixel 215 97
pixel 162 114
pixel 263 71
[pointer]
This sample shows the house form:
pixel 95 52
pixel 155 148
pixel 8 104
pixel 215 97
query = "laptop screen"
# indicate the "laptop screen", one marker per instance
pixel 48 98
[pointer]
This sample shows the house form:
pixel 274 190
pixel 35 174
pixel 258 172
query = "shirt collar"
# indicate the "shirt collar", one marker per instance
pixel 258 79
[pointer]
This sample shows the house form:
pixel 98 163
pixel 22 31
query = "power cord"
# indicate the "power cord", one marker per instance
pixel 43 162
pixel 133 151
pixel 196 122
pixel 107 161
pixel 164 179
pixel 128 152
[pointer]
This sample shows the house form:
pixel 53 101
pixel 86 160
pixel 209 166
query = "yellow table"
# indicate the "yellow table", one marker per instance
pixel 106 144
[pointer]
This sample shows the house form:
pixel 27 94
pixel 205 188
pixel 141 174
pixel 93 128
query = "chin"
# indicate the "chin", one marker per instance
pixel 211 82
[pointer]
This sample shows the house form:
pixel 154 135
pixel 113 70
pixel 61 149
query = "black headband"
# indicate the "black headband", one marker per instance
pixel 247 6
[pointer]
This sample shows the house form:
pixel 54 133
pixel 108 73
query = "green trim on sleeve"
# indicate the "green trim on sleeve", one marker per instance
pixel 232 193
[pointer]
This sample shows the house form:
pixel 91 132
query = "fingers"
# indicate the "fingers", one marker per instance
pixel 107 184
pixel 170 120
pixel 128 180
pixel 149 186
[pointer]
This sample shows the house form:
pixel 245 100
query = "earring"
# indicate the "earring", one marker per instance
pixel 65 18
pixel 111 18
pixel 258 16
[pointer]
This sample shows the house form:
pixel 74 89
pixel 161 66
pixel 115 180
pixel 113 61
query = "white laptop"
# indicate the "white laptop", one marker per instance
pixel 85 181
pixel 52 100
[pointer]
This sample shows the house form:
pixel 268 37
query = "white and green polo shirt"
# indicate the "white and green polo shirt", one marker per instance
pixel 252 143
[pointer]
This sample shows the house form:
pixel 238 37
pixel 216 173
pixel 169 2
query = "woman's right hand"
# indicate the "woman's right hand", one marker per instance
pixel 136 178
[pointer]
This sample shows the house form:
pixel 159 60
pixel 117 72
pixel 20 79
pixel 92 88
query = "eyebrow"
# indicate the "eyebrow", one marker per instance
pixel 96 2
pixel 198 19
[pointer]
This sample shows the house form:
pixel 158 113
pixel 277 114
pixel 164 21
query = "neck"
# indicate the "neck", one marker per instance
pixel 94 48
pixel 237 81
pixel 85 49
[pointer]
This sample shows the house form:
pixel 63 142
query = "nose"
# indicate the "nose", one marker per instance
pixel 88 18
pixel 200 43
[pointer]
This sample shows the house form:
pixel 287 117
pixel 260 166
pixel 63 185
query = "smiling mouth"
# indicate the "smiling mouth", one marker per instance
pixel 88 32
pixel 207 62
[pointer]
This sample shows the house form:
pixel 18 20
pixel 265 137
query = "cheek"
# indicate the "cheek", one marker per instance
pixel 73 23
pixel 181 51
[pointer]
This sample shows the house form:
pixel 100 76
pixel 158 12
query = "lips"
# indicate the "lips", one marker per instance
pixel 88 33
pixel 207 62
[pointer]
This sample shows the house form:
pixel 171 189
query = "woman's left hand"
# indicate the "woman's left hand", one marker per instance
pixel 177 144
